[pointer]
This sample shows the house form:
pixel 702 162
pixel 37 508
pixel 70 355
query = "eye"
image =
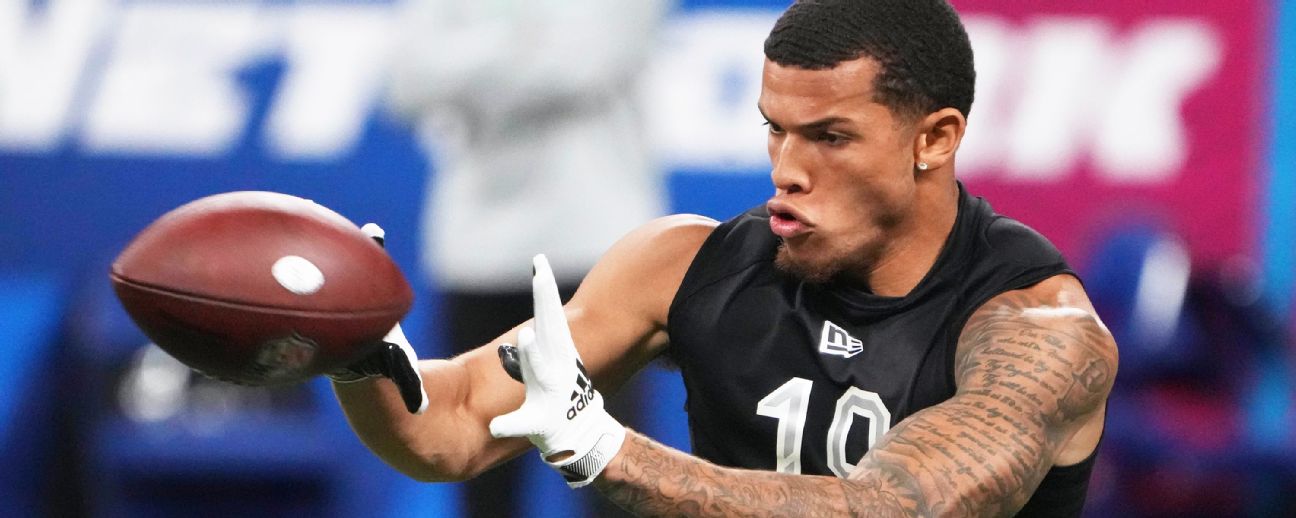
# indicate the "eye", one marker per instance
pixel 774 129
pixel 832 139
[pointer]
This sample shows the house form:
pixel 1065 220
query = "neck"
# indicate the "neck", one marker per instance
pixel 914 246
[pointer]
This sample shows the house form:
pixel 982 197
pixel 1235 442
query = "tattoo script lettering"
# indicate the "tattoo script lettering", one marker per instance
pixel 1025 373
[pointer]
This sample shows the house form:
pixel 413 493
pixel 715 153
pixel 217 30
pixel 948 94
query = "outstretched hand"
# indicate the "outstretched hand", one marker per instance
pixel 563 414
pixel 394 358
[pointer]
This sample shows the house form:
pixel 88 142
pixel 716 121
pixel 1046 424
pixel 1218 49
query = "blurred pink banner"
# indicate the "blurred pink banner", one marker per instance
pixel 1110 112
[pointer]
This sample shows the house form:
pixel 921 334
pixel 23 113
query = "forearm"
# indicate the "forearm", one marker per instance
pixel 649 479
pixel 445 443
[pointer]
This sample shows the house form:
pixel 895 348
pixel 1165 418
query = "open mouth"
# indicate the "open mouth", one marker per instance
pixel 785 217
pixel 785 224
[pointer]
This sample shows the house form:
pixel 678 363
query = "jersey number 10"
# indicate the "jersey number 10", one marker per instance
pixel 790 403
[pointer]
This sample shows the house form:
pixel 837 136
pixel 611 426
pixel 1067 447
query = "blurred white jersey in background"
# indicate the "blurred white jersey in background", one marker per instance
pixel 528 111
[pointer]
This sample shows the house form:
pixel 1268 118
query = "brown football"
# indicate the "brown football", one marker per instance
pixel 260 288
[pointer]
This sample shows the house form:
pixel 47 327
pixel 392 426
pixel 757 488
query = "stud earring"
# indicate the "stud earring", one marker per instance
pixel 922 166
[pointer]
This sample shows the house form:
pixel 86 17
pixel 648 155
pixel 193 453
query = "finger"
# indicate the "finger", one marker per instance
pixel 375 233
pixel 402 368
pixel 405 375
pixel 550 319
pixel 397 336
pixel 508 355
pixel 518 423
pixel 529 361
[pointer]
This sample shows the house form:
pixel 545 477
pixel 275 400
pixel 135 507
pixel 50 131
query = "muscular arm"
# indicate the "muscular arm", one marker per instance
pixel 1033 369
pixel 617 316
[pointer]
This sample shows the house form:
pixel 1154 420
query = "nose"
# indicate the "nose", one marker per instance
pixel 788 166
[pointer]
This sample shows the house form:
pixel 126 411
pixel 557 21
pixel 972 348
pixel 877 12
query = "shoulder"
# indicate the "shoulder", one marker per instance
pixel 666 239
pixel 1015 242
pixel 732 247
pixel 662 248
pixel 1044 342
pixel 645 268
pixel 746 229
pixel 1006 238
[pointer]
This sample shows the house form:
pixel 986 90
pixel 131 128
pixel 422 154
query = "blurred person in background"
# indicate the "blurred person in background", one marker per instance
pixel 529 114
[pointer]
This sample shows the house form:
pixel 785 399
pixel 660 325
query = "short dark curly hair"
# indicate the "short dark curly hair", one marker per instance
pixel 922 47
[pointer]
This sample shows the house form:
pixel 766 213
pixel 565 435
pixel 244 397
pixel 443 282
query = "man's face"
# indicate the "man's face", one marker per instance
pixel 843 168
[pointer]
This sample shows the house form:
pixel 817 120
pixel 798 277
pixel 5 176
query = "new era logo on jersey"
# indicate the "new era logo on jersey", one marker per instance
pixel 835 340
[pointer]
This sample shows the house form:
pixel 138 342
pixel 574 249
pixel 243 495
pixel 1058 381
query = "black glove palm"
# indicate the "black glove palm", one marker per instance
pixel 394 359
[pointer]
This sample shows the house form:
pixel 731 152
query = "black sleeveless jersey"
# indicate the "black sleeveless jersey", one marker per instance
pixel 802 378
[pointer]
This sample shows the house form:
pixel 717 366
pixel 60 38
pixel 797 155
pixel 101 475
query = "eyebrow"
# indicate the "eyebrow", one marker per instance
pixel 817 125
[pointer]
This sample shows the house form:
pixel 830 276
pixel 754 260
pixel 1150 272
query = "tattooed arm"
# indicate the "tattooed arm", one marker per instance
pixel 1033 368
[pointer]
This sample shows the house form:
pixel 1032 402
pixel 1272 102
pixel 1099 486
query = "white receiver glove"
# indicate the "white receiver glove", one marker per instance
pixel 562 411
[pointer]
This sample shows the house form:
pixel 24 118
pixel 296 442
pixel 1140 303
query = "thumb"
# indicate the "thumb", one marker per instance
pixel 518 423
pixel 405 374
pixel 402 368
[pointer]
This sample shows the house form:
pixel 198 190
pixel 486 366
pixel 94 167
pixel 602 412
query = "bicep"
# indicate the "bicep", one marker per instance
pixel 1032 368
pixel 1041 349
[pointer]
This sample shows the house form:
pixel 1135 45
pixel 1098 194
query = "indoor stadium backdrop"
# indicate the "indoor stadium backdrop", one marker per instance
pixel 1174 117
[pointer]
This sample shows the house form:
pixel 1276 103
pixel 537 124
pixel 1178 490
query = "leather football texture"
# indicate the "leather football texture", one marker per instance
pixel 260 288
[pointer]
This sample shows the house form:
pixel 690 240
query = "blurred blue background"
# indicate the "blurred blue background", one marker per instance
pixel 95 144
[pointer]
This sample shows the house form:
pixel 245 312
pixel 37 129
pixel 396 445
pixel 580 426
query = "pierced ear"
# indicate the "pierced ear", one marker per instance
pixel 938 137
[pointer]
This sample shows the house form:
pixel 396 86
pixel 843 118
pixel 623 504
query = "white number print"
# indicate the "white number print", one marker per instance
pixel 791 402
pixel 855 401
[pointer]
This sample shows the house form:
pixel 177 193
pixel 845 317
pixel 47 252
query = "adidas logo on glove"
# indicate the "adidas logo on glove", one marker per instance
pixel 543 359
pixel 583 395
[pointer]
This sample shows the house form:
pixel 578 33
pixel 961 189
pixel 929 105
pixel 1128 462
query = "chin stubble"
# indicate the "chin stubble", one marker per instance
pixel 814 274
